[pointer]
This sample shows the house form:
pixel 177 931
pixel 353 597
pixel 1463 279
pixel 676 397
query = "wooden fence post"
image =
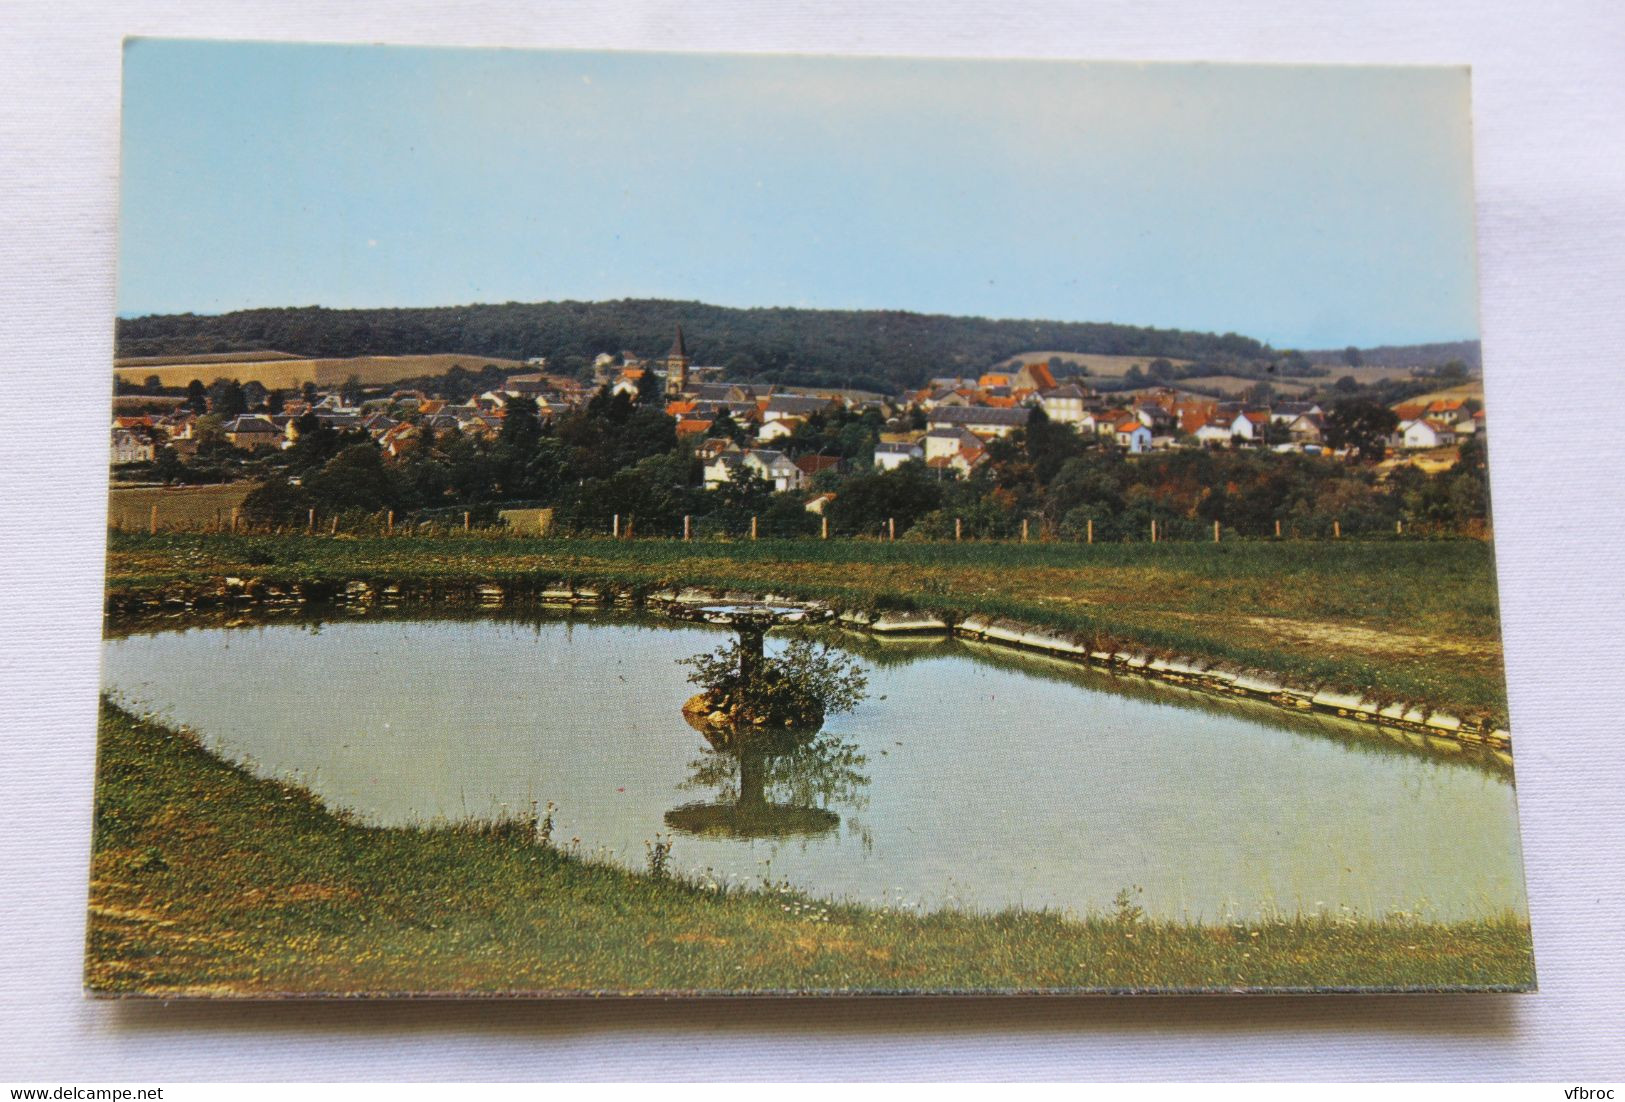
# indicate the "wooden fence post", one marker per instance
pixel 687 526
pixel 1399 528
pixel 823 528
pixel 958 529
pixel 310 523
pixel 389 523
pixel 334 530
pixel 631 522
pixel 1337 529
pixel 1277 529
pixel 891 528
pixel 1153 531
pixel 467 520
pixel 219 520
pixel 152 522
pixel 1215 531
pixel 1089 530
pixel 615 527
pixel 1023 529
pixel 752 527
pixel 236 511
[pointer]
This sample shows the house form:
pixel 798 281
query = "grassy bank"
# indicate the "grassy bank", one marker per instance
pixel 207 881
pixel 1411 621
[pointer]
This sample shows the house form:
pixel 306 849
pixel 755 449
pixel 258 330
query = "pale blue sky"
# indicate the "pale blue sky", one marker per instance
pixel 1309 207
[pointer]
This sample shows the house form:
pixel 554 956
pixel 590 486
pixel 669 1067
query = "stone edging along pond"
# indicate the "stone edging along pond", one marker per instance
pixel 1416 723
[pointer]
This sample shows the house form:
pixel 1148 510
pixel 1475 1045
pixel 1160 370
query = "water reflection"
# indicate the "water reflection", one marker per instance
pixel 771 784
pixel 982 777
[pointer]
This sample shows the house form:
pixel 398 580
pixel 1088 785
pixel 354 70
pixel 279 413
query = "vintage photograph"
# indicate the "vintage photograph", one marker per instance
pixel 639 523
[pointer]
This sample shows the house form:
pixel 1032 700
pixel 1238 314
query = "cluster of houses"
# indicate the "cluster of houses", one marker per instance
pixel 394 420
pixel 1438 424
pixel 961 416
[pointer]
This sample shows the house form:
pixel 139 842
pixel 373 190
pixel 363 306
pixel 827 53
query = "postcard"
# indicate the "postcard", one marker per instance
pixel 590 522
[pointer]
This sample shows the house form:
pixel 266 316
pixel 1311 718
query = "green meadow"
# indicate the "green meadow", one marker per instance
pixel 1401 619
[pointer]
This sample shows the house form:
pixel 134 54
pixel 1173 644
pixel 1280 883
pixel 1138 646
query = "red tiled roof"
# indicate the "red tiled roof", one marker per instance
pixel 812 464
pixel 1041 376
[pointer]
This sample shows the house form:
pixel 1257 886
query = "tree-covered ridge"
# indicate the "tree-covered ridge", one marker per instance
pixel 1469 353
pixel 878 350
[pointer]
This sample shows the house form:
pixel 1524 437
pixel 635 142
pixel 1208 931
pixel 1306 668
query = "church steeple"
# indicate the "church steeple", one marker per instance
pixel 677 361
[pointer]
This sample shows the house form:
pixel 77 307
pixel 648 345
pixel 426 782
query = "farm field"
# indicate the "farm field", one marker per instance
pixel 183 507
pixel 1097 363
pixel 1473 388
pixel 204 358
pixel 1236 385
pixel 288 374
pixel 1414 620
pixel 1366 374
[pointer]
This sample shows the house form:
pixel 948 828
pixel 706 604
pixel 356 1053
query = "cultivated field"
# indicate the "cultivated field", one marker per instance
pixel 204 358
pixel 181 507
pixel 1098 364
pixel 287 374
pixel 1473 388
pixel 1236 385
pixel 1364 375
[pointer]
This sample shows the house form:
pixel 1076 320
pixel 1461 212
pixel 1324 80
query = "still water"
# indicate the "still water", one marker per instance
pixel 968 777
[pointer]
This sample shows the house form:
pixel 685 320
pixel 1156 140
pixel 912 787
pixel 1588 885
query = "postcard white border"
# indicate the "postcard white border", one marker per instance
pixel 1549 93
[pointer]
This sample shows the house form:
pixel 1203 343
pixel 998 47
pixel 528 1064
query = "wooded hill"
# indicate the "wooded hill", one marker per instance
pixel 1406 355
pixel 879 350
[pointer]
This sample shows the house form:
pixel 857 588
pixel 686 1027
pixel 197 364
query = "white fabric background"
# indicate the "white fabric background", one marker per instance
pixel 1549 88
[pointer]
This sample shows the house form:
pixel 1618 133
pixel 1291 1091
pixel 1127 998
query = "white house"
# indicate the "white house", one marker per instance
pixel 888 457
pixel 1250 424
pixel 777 430
pixel 1064 404
pixel 1133 436
pixel 1427 434
pixel 774 466
pixel 128 447
pixel 1216 430
pixel 628 382
pixel 945 443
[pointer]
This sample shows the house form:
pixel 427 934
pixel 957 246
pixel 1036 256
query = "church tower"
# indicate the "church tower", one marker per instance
pixel 677 361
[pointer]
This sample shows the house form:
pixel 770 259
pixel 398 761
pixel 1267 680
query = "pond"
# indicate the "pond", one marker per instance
pixel 969 776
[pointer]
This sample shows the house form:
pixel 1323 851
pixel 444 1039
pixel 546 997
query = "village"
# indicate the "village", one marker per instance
pixel 760 428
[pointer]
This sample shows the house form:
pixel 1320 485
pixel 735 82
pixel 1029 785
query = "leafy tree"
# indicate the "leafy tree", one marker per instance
pixel 277 502
pixel 866 502
pixel 355 478
pixel 1361 424
pixel 724 427
pixel 226 399
pixel 1351 356
pixel 651 389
